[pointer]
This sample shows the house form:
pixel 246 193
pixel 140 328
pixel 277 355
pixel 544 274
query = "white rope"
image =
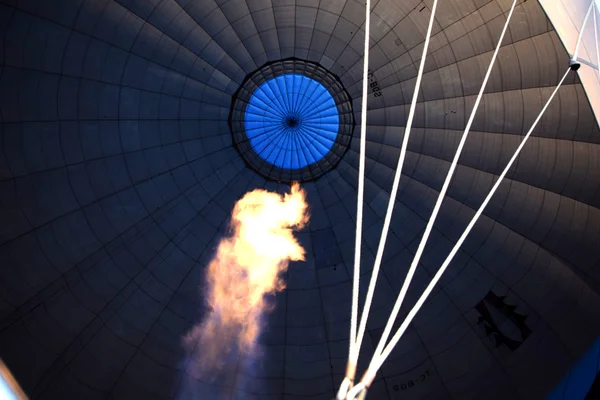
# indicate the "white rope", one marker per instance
pixel 442 194
pixel 376 362
pixel 361 184
pixel 587 16
pixel 388 216
pixel 355 391
pixel 344 387
pixel 353 351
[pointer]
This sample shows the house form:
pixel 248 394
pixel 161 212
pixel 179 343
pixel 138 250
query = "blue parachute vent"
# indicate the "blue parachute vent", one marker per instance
pixel 291 120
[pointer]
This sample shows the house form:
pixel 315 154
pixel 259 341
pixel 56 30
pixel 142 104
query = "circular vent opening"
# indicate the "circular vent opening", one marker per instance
pixel 291 120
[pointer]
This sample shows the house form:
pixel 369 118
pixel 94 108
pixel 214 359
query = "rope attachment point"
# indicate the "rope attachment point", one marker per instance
pixel 344 387
pixel 358 392
pixel 348 381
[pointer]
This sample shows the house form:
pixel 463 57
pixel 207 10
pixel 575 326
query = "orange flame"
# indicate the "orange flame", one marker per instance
pixel 247 266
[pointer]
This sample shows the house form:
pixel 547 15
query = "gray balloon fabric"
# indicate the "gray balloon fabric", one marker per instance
pixel 118 173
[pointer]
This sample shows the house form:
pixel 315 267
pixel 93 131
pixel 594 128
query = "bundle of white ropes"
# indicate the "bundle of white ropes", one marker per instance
pixel 348 389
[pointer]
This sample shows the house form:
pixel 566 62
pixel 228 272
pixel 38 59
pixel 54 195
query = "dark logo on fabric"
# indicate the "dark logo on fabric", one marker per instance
pixel 502 324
